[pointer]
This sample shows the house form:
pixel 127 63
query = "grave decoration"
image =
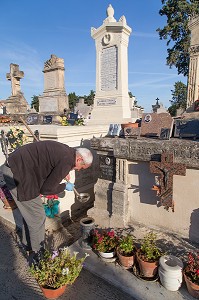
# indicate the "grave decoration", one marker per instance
pixel 47 119
pixel 157 125
pixel 187 128
pixel 166 168
pixel 32 119
pixel 107 165
pixel 114 130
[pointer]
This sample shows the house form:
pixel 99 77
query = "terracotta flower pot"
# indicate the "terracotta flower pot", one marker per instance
pixel 132 125
pixel 53 293
pixel 126 261
pixel 192 288
pixel 147 269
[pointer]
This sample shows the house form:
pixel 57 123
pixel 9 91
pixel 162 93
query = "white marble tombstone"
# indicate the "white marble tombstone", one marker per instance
pixel 193 78
pixel 112 102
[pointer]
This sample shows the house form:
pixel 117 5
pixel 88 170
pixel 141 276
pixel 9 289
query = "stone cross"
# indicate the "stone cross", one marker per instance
pixel 166 168
pixel 14 76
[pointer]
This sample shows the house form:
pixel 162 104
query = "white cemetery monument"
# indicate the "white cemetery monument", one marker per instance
pixel 54 98
pixel 193 79
pixel 112 102
pixel 16 103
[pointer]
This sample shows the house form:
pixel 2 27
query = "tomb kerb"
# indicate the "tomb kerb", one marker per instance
pixel 16 103
pixel 193 78
pixel 54 98
pixel 112 102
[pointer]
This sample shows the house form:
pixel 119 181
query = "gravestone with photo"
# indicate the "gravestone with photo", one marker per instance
pixel 157 125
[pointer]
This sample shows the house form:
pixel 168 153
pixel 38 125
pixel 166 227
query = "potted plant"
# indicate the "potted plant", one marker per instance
pixel 148 255
pixel 105 242
pixel 191 274
pixel 126 251
pixel 56 270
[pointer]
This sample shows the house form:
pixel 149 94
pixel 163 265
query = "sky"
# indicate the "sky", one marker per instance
pixel 30 31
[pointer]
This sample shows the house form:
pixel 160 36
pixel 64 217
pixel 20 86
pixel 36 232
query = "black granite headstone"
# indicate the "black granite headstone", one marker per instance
pixel 188 129
pixel 107 166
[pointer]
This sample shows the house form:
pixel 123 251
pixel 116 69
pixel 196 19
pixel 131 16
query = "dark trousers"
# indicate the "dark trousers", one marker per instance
pixel 32 211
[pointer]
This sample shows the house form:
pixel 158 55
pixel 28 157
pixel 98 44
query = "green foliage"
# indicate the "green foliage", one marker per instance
pixel 179 97
pixel 89 100
pixel 176 31
pixel 35 102
pixel 57 268
pixel 72 100
pixel 126 245
pixel 104 241
pixel 149 251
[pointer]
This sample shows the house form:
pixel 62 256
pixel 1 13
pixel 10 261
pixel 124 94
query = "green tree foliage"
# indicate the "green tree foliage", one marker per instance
pixel 89 100
pixel 35 102
pixel 176 32
pixel 179 97
pixel 72 100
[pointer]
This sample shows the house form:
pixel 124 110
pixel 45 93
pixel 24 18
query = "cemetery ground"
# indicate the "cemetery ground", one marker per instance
pixel 98 280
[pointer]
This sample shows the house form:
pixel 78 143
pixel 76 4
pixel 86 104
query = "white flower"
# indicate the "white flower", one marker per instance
pixel 86 255
pixel 65 271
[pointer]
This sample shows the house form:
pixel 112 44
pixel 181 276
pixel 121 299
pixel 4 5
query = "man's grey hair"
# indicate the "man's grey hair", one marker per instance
pixel 86 155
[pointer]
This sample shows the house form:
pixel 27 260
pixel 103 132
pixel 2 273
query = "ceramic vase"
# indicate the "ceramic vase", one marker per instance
pixel 170 272
pixel 107 254
pixel 192 288
pixel 53 293
pixel 147 269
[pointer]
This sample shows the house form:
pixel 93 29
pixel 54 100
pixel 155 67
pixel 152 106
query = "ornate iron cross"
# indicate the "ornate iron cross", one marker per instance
pixel 166 168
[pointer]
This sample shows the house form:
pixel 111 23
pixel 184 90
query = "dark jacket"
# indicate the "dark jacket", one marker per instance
pixel 39 167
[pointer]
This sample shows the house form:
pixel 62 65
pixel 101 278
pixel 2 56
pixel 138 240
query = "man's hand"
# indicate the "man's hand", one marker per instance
pixel 69 186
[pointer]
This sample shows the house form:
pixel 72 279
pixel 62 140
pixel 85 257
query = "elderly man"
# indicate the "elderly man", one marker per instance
pixel 38 168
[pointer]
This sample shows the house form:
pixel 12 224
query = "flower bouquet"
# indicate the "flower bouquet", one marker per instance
pixel 16 137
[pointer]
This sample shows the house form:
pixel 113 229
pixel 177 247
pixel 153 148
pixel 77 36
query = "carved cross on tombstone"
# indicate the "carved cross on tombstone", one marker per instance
pixel 14 76
pixel 166 168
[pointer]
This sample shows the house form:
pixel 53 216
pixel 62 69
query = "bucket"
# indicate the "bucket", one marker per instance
pixel 170 272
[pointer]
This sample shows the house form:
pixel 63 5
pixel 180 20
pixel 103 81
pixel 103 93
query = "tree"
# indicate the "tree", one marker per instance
pixel 176 30
pixel 179 97
pixel 72 100
pixel 89 100
pixel 35 102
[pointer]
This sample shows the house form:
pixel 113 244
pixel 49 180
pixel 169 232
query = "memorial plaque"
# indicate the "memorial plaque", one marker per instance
pixel 106 102
pixel 131 132
pixel 153 123
pixel 109 57
pixel 165 134
pixel 189 129
pixel 107 165
pixel 32 119
pixel 114 130
pixel 47 119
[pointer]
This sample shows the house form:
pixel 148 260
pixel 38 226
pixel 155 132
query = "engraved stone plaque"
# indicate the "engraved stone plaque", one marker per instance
pixel 109 64
pixel 107 165
pixel 106 102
